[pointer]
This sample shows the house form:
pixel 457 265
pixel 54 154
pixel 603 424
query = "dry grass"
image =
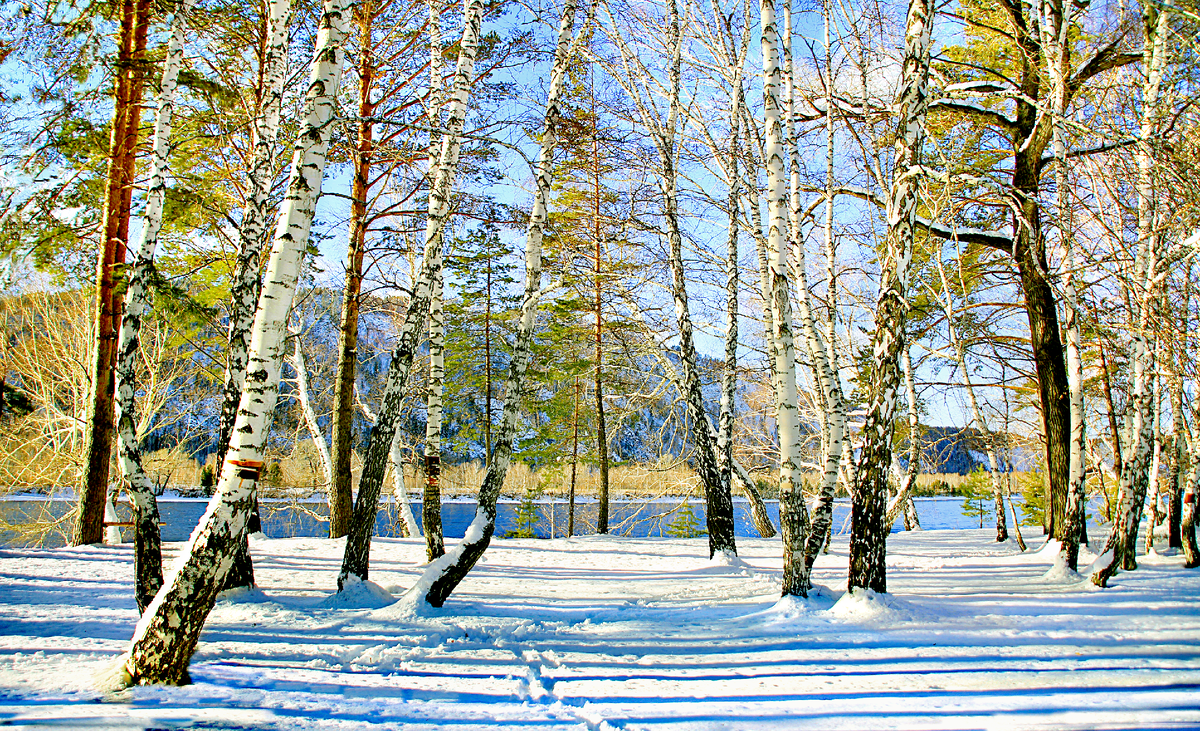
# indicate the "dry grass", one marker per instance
pixel 300 474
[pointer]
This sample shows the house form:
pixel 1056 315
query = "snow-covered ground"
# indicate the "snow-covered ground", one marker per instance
pixel 622 633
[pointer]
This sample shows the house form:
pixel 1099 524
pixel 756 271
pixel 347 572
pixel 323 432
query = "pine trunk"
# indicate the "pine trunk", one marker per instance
pixel 122 156
pixel 341 491
pixel 601 424
pixel 166 636
pixel 868 539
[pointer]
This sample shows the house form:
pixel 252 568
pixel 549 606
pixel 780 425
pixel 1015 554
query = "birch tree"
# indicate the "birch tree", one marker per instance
pixel 821 350
pixel 730 51
pixel 793 512
pixel 443 575
pixel 165 638
pixel 664 131
pixel 1145 277
pixel 300 368
pixel 868 542
pixel 147 556
pixel 358 541
pixel 253 235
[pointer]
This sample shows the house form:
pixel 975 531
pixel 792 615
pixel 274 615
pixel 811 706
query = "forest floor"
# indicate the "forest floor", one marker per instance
pixel 600 632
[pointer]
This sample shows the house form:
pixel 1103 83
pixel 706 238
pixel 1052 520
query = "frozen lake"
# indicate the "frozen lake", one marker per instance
pixel 635 518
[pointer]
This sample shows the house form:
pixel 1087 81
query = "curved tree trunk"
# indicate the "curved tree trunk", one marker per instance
pixel 444 575
pixel 356 559
pixel 166 636
pixel 147 556
pixel 868 541
pixel 253 235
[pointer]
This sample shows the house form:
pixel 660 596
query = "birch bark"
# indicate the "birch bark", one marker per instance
pixel 358 541
pixel 431 493
pixel 310 417
pixel 793 512
pixel 1191 493
pixel 433 410
pixel 868 542
pixel 443 575
pixel 409 528
pixel 665 135
pixel 829 383
pixel 1135 476
pixel 166 636
pixel 719 512
pixel 902 501
pixel 147 556
pixel 253 235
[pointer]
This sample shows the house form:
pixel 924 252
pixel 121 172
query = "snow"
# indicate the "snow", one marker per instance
pixel 604 632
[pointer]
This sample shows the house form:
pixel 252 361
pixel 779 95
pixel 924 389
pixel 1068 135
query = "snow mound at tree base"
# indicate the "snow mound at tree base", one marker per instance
pixel 864 606
pixel 359 593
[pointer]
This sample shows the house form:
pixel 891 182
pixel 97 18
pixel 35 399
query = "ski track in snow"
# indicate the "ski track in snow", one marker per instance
pixel 611 633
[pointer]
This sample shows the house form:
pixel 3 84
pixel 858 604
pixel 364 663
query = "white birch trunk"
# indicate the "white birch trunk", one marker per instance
pixel 1138 450
pixel 310 416
pixel 829 383
pixel 1191 494
pixel 902 501
pixel 443 575
pixel 411 528
pixel 431 497
pixel 981 425
pixel 166 636
pixel 868 542
pixel 793 513
pixel 147 553
pixel 253 238
pixel 356 559
pixel 253 233
pixel 433 409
